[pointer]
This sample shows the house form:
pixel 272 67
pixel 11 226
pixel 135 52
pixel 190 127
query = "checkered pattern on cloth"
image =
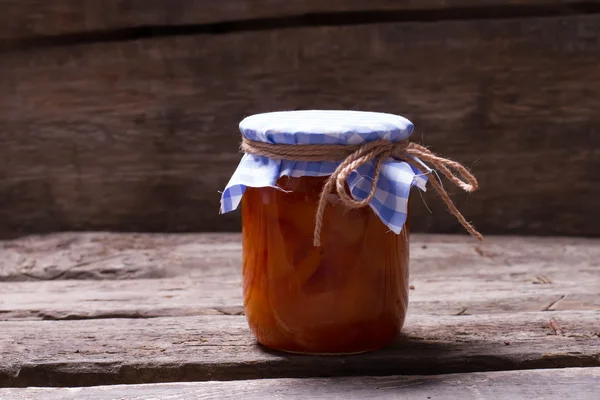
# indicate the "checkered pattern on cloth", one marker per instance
pixel 329 127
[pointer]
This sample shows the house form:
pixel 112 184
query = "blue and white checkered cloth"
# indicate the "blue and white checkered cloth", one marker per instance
pixel 329 127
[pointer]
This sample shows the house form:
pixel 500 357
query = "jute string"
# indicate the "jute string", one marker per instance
pixel 352 157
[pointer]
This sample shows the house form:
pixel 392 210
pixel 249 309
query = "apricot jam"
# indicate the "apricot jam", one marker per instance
pixel 347 296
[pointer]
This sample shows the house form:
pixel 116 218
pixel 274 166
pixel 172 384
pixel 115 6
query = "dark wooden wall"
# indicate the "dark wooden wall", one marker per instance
pixel 122 115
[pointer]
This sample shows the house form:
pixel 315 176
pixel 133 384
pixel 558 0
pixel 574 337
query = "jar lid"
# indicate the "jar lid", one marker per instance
pixel 325 127
pixel 390 200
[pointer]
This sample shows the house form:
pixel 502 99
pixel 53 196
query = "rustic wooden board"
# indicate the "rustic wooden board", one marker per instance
pixel 200 274
pixel 103 255
pixel 552 384
pixel 119 256
pixel 218 347
pixel 509 303
pixel 26 18
pixel 140 135
pixel 70 300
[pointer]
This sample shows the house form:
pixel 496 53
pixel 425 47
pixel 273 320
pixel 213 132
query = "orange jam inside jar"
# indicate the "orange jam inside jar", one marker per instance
pixel 348 295
pixel 324 196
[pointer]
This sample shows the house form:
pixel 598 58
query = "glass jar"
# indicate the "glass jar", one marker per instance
pixel 347 296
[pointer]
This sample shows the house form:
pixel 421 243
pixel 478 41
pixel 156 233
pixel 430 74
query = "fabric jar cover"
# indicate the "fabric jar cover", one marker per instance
pixel 329 127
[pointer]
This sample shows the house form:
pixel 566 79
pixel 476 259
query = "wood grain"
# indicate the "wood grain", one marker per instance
pixel 97 275
pixel 552 384
pixel 34 18
pixel 118 256
pixel 509 303
pixel 218 347
pixel 141 135
pixel 74 300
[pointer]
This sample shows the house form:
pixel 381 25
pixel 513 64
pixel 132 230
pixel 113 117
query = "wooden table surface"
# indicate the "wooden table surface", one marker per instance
pixel 161 316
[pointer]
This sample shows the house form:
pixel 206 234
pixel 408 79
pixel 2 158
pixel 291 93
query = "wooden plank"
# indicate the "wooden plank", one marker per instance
pixel 551 384
pixel 217 347
pixel 200 274
pixel 26 18
pixel 103 255
pixel 117 256
pixel 121 136
pixel 179 297
pixel 489 306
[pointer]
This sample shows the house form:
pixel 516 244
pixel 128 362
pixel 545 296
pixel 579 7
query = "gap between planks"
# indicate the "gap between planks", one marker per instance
pixel 63 22
pixel 554 384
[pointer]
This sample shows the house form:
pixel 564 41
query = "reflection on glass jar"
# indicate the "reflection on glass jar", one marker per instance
pixel 349 295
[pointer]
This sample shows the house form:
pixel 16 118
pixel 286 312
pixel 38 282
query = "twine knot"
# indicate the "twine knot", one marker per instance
pixel 353 156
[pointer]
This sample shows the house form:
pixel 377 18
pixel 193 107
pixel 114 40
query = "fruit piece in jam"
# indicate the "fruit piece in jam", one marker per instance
pixel 349 295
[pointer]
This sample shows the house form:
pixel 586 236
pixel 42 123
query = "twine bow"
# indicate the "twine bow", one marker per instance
pixel 352 157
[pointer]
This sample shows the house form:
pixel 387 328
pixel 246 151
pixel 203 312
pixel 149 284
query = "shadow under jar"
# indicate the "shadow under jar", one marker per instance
pixel 349 295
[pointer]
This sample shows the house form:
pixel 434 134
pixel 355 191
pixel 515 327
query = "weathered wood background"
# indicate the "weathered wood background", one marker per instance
pixel 122 115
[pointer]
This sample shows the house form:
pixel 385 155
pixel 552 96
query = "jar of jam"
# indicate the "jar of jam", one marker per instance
pixel 323 274
pixel 349 295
